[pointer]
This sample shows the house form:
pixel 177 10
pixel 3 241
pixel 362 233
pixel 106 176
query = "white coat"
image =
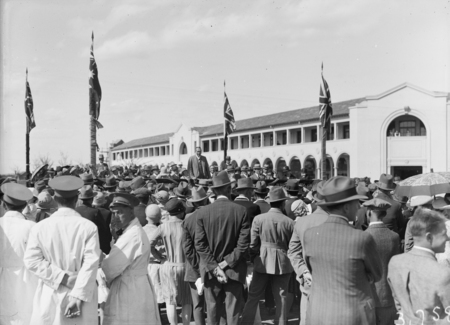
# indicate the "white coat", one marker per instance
pixel 17 284
pixel 65 243
pixel 131 298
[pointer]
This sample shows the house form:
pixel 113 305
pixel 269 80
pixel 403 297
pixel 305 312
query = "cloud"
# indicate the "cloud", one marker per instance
pixel 131 44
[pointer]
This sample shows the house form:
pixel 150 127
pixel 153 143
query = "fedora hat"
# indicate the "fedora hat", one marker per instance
pixel 261 187
pixel 137 182
pixel 386 182
pixel 339 189
pixel 86 192
pixel 276 194
pixel 230 169
pixel 182 190
pixel 292 185
pixel 221 180
pixel 316 190
pixel 244 183
pixel 198 195
pixel 46 201
pixel 256 166
pixel 110 182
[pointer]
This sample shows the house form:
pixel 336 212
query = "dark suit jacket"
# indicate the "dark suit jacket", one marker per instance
pixel 107 215
pixel 222 233
pixel 193 167
pixel 252 209
pixel 341 260
pixel 419 282
pixel 96 217
pixel 263 205
pixel 387 244
pixel 192 272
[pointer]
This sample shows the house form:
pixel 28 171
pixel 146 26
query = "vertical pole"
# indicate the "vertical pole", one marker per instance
pixel 93 136
pixel 324 152
pixel 27 155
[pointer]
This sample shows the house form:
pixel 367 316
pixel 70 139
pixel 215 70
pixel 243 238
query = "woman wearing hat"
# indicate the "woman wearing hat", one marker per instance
pixel 174 289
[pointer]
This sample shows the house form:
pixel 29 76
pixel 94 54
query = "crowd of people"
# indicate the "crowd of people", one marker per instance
pixel 112 245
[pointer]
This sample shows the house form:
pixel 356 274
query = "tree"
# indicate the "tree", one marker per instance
pixel 64 159
pixel 42 160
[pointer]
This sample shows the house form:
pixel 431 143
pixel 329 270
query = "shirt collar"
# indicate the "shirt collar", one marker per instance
pixel 14 214
pixel 425 249
pixel 222 197
pixel 241 197
pixel 275 210
pixel 376 223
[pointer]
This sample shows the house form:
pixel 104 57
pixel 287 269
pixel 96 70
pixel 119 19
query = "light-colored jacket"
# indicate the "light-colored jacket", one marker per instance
pixel 65 243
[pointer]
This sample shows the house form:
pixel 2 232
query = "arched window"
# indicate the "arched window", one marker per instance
pixel 295 166
pixel 406 126
pixel 183 149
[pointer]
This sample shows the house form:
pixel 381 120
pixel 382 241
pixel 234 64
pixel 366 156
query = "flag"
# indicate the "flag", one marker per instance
pixel 95 91
pixel 29 106
pixel 326 109
pixel 230 125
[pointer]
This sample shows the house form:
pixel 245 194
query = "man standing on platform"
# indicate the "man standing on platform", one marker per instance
pixel 66 292
pixel 198 167
pixel 221 240
pixel 270 236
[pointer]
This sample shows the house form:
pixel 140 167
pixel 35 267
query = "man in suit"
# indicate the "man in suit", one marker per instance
pixel 99 203
pixel 296 249
pixel 342 261
pixel 87 211
pixel 221 240
pixel 198 165
pixel 143 196
pixel 420 285
pixel 270 236
pixel 292 187
pixel 245 190
pixel 192 273
pixel 261 191
pixel 257 176
pixel 387 244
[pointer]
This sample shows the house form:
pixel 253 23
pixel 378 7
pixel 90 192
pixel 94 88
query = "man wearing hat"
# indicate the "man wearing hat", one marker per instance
pixel 270 236
pixel 100 203
pixel 387 244
pixel 192 274
pixel 245 190
pixel 257 176
pixel 342 261
pixel 198 165
pixel 224 164
pixel 420 285
pixel 244 171
pixel 261 191
pixel 292 187
pixel 87 211
pixel 221 240
pixel 17 284
pixel 131 299
pixel 66 287
pixel 213 170
pixel 142 195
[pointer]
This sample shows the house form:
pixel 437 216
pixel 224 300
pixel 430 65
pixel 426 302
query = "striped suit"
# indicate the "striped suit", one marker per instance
pixel 341 260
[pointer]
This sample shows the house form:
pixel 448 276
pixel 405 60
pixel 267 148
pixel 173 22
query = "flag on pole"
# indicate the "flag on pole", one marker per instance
pixel 29 106
pixel 326 109
pixel 95 91
pixel 230 124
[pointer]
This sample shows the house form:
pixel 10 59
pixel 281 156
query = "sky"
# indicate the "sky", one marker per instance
pixel 162 63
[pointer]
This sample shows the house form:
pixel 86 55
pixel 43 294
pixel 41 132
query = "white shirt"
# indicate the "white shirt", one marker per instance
pixel 425 249
pixel 375 223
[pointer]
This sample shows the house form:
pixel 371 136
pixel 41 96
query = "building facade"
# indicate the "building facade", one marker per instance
pixel 403 131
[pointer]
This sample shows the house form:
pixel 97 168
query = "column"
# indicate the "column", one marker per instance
pixel 288 136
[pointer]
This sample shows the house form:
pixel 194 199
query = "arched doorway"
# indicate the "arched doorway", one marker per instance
pixel 255 161
pixel 329 167
pixel 343 165
pixel 244 163
pixel 183 149
pixel 309 167
pixel 268 161
pixel 295 166
pixel 280 164
pixel 406 151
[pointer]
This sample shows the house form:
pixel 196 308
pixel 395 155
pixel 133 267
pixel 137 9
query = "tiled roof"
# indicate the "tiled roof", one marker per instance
pixel 145 141
pixel 308 114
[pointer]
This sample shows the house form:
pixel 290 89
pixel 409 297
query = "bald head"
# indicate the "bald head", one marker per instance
pixel 153 213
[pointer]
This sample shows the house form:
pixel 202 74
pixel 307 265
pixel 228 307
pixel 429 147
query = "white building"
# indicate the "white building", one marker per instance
pixel 403 131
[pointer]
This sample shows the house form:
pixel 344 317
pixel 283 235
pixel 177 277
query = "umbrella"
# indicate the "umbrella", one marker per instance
pixel 424 184
pixel 33 176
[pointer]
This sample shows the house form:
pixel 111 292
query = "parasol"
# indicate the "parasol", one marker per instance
pixel 424 184
pixel 36 172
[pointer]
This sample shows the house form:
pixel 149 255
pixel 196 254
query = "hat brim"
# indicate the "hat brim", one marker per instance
pixel 386 188
pixel 262 192
pixel 351 198
pixel 165 181
pixel 221 185
pixel 244 188
pixel 199 200
pixel 277 200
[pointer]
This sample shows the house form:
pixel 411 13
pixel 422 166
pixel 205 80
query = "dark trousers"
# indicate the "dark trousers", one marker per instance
pixel 198 305
pixel 279 284
pixel 223 295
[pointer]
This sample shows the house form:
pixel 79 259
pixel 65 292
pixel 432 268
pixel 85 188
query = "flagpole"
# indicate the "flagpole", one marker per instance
pixel 93 134
pixel 225 135
pixel 324 152
pixel 27 137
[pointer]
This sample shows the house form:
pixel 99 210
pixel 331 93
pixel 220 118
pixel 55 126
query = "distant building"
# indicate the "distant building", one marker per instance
pixel 403 131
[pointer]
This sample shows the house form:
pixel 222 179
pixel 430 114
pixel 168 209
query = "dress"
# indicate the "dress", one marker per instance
pixel 174 288
pixel 131 299
pixel 17 284
pixel 66 243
